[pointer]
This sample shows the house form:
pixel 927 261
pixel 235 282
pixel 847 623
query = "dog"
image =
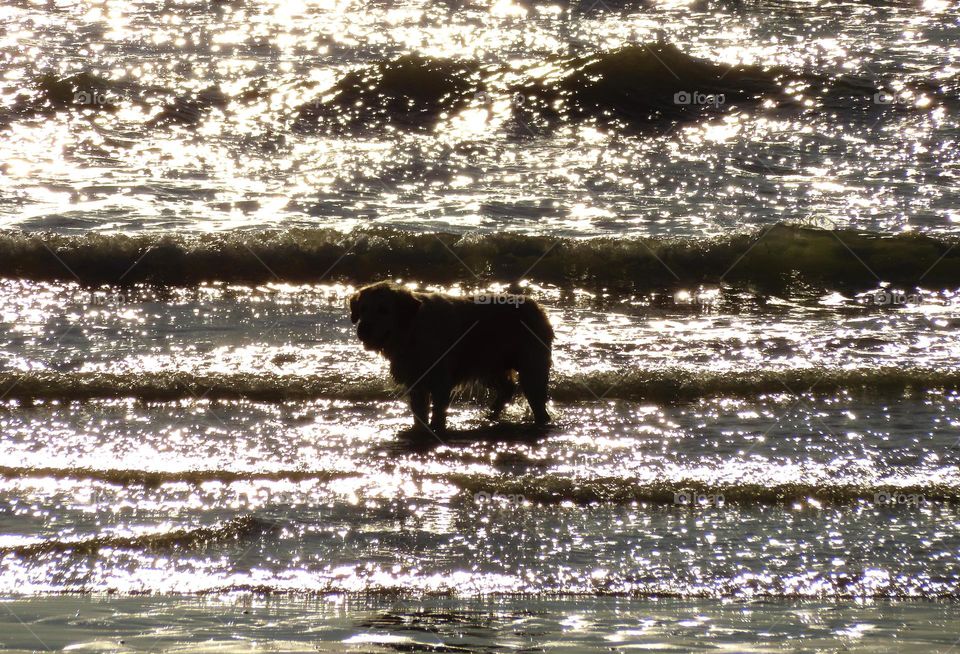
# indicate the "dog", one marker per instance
pixel 436 342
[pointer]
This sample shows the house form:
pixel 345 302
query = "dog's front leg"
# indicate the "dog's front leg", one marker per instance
pixel 441 400
pixel 419 404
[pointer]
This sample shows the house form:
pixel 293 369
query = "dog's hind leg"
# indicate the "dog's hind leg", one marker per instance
pixel 504 389
pixel 534 374
pixel 420 405
pixel 441 400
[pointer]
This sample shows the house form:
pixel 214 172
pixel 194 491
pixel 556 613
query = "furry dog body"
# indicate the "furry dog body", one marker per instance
pixel 437 342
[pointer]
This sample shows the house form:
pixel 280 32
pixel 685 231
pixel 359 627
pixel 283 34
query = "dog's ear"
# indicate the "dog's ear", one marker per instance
pixel 407 306
pixel 355 308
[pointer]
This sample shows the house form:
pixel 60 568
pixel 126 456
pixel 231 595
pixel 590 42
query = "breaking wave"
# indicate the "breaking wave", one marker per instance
pixel 773 257
pixel 695 493
pixel 495 490
pixel 836 586
pixel 655 385
pixel 167 540
pixel 154 478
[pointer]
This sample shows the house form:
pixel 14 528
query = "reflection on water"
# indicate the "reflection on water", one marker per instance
pixel 323 497
pixel 382 625
pixel 707 463
pixel 296 341
pixel 186 115
pixel 756 402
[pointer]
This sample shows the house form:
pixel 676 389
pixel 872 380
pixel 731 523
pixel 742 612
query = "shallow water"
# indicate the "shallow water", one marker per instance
pixel 757 432
pixel 509 624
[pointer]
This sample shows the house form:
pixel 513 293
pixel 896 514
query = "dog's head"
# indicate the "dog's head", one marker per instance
pixel 382 312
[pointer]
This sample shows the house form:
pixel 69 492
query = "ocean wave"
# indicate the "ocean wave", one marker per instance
pixel 646 83
pixel 653 82
pixel 175 539
pixel 411 91
pixel 155 478
pixel 695 493
pixel 171 386
pixel 663 385
pixel 822 587
pixel 776 256
pixel 47 94
pixel 633 85
pixel 554 488
pixel 369 583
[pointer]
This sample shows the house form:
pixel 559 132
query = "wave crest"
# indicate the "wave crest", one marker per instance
pixel 657 385
pixel 777 256
pixel 155 478
pixel 553 489
pixel 175 539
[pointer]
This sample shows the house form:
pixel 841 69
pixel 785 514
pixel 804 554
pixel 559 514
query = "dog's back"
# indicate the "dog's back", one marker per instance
pixel 497 333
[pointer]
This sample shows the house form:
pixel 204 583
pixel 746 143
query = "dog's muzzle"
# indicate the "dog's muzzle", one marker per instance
pixel 364 333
